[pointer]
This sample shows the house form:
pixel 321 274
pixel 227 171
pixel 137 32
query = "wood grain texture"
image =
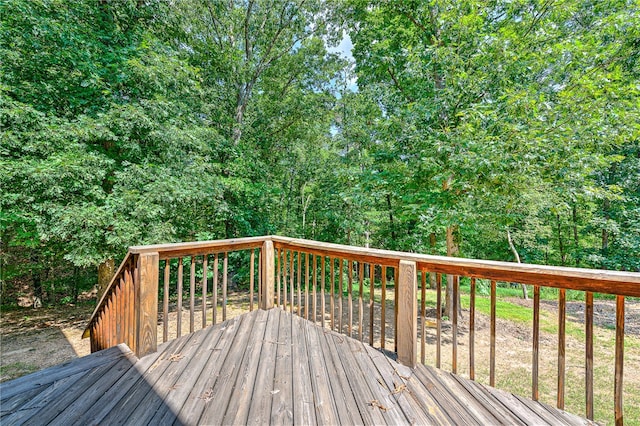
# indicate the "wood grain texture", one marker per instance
pixel 472 330
pixel 588 350
pixel 535 392
pixel 562 309
pixel 407 313
pixel 214 296
pixel 261 367
pixel 179 302
pixel 268 275
pixel 492 343
pixel 383 307
pixel 147 304
pixel 619 368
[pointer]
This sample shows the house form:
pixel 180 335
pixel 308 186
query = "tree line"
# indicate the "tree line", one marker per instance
pixel 490 129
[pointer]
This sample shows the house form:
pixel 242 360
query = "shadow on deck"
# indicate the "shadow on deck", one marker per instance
pixel 261 367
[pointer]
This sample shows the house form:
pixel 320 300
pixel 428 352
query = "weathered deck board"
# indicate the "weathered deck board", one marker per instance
pixel 265 366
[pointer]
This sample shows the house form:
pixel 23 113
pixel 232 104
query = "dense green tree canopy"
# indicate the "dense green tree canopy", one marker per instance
pixel 136 122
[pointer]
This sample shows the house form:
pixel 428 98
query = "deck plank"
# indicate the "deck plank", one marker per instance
pixel 414 411
pixel 238 408
pixel 263 389
pixel 176 394
pixel 364 398
pixel 52 374
pixel 96 412
pixel 201 391
pixel 341 391
pixel 282 406
pixel 144 388
pixel 384 395
pixel 303 409
pixel 51 403
pixel 326 411
pixel 93 392
pixel 217 396
pixel 261 367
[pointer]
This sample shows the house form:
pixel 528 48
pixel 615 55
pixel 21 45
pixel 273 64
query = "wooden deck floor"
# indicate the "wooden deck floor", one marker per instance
pixel 259 368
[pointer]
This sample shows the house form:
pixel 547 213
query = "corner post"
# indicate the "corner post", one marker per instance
pixel 268 275
pixel 146 304
pixel 407 331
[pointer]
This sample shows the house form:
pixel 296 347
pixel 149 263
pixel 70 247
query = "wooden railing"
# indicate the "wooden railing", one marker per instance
pixel 369 294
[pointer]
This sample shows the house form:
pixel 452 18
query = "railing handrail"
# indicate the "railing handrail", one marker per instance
pixel 595 280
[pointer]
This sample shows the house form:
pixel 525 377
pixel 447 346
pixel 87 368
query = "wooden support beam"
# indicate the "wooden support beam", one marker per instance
pixel 407 331
pixel 268 275
pixel 146 303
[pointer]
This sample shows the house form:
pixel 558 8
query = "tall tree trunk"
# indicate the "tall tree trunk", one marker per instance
pixel 37 282
pixel 605 232
pixel 105 272
pixel 391 223
pixel 453 249
pixel 576 242
pixel 560 242
pixel 512 246
pixel 432 243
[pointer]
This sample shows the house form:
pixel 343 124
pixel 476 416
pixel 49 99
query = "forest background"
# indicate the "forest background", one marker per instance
pixel 455 128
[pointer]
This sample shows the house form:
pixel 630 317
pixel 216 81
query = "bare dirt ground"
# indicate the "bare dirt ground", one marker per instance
pixel 32 339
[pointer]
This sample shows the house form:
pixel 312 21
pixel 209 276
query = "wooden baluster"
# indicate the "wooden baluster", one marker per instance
pixel 454 326
pixel 407 288
pixel 383 310
pixel 332 295
pixel 131 331
pixel 314 266
pixel 350 295
pixel 165 301
pixel 306 286
pixel 278 275
pixel 341 286
pixel 360 298
pixel 299 284
pixel 259 277
pixel 205 278
pixel 192 293
pixel 291 283
pixel 395 310
pixel 118 313
pixel 619 356
pixel 423 314
pixel 472 330
pixel 372 276
pixel 125 309
pixel 535 394
pixel 284 280
pixel 225 273
pixel 588 375
pixel 214 296
pixel 251 278
pixel 492 352
pixel 438 318
pixel 179 307
pixel 109 322
pixel 562 303
pixel 322 284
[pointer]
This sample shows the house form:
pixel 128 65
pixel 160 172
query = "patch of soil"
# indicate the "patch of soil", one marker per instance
pixel 33 339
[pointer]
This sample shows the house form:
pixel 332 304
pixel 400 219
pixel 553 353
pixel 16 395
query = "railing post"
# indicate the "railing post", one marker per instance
pixel 146 304
pixel 407 313
pixel 268 275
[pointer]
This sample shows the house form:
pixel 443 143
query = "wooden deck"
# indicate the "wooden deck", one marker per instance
pixel 262 367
